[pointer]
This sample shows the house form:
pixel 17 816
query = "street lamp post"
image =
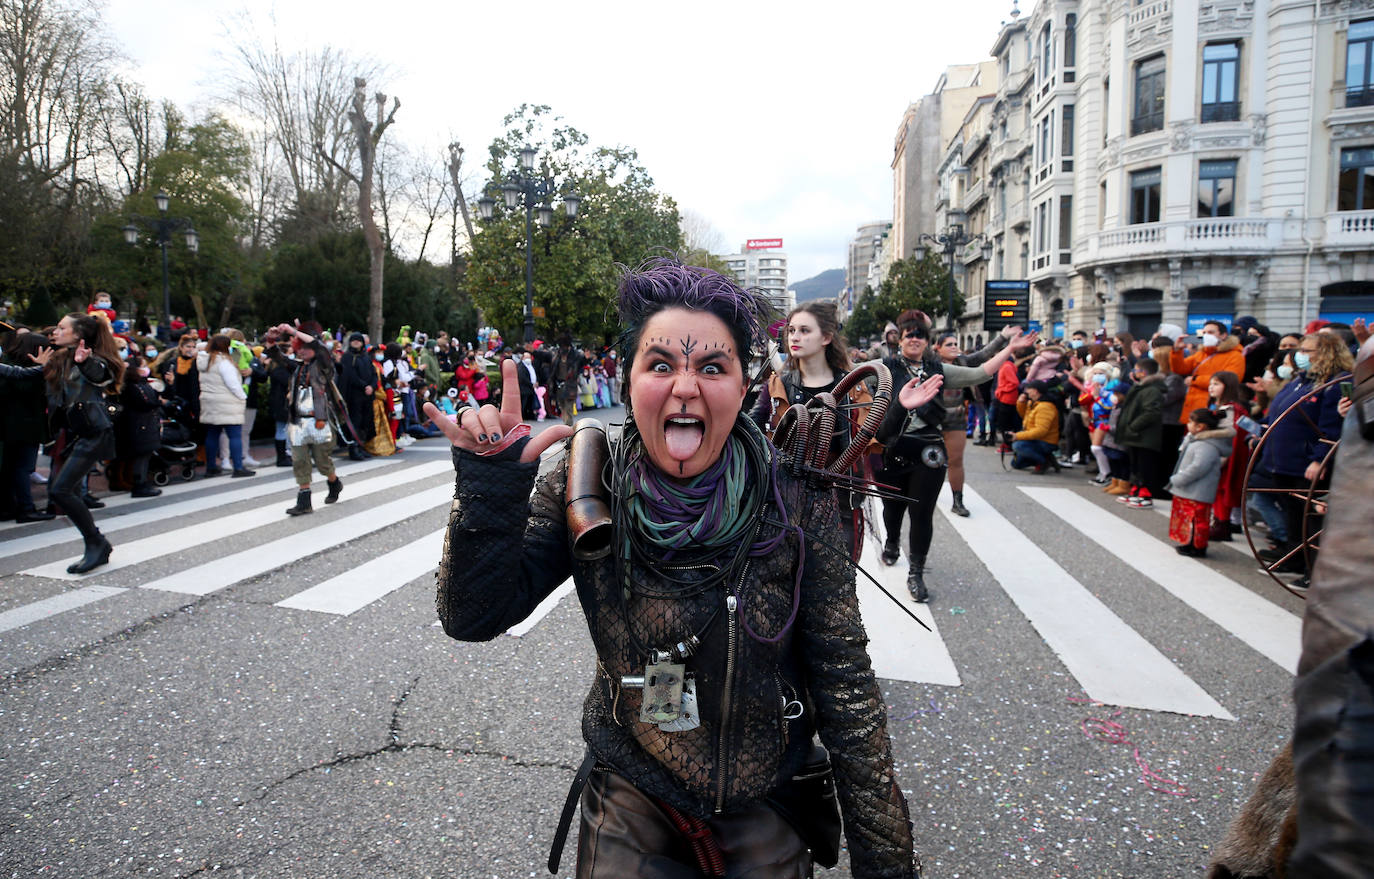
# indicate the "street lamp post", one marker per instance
pixel 162 227
pixel 536 190
pixel 949 243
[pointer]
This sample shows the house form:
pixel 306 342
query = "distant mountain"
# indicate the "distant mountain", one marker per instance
pixel 826 285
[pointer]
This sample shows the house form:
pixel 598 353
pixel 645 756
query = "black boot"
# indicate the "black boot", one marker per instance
pixel 891 553
pixel 916 581
pixel 959 509
pixel 356 453
pixel 283 460
pixel 97 553
pixel 335 487
pixel 302 504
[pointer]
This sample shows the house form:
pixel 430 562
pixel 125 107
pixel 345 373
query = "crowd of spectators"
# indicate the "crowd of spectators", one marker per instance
pixel 1177 417
pixel 192 401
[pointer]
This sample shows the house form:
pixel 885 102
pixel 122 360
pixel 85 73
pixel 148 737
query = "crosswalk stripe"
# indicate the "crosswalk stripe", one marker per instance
pixel 1266 627
pixel 1113 663
pixel 219 573
pixel 158 512
pixel 899 649
pixel 47 607
pixel 181 539
pixel 543 610
pixel 358 587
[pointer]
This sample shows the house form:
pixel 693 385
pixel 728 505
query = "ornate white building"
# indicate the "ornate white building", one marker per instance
pixel 1172 160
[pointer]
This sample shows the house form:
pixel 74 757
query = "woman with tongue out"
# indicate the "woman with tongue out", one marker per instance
pixel 726 627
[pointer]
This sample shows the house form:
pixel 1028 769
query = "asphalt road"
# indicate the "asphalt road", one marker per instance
pixel 204 709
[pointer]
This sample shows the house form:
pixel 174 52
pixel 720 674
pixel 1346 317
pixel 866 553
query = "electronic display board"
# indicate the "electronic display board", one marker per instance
pixel 1006 302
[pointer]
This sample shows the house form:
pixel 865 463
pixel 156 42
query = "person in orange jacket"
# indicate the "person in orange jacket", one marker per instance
pixel 1219 351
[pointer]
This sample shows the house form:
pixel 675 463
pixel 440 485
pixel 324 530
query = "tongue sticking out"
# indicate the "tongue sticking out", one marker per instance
pixel 683 439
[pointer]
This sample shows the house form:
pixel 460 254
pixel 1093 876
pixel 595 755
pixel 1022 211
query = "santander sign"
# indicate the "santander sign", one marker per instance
pixel 762 243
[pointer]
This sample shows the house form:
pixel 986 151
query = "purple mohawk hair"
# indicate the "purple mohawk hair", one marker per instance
pixel 664 282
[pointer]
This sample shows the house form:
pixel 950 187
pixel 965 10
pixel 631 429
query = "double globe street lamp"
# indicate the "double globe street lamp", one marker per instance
pixel 162 227
pixel 536 191
pixel 950 242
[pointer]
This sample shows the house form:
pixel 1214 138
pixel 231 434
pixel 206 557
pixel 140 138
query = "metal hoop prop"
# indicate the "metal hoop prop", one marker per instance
pixel 1312 497
pixel 804 431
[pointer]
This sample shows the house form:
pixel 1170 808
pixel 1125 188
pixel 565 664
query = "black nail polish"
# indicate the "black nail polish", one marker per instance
pixel 481 437
pixel 496 437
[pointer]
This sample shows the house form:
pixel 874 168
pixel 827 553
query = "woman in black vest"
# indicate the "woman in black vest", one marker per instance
pixel 915 458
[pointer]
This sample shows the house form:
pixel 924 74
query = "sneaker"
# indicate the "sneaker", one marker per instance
pixel 1100 480
pixel 251 463
pixel 1126 499
pixel 1141 503
pixel 1063 462
pixel 38 478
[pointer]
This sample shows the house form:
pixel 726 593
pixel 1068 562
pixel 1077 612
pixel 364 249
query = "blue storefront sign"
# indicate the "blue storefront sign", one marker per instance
pixel 1033 326
pixel 1196 321
pixel 1059 327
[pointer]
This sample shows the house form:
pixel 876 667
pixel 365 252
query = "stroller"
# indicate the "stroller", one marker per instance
pixel 178 448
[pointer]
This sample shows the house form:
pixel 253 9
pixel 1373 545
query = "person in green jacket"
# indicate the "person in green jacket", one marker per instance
pixel 1140 430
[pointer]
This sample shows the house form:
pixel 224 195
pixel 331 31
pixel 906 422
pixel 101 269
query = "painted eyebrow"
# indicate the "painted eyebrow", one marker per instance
pixel 710 356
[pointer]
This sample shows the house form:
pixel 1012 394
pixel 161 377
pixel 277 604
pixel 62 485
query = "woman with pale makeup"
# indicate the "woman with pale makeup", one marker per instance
pixel 817 359
pixel 726 625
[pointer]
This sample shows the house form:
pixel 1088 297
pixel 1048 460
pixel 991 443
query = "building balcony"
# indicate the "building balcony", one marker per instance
pixel 1353 228
pixel 974 195
pixel 1212 236
pixel 1148 13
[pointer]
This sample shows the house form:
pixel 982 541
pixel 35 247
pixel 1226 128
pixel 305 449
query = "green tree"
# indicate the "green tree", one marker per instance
pixel 202 168
pixel 910 283
pixel 622 219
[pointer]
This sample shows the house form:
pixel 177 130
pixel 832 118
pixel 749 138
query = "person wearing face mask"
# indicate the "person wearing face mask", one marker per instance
pixel 357 381
pixel 1260 344
pixel 23 425
pixel 1296 447
pixel 138 429
pixel 527 377
pixel 382 443
pixel 308 402
pixel 1218 350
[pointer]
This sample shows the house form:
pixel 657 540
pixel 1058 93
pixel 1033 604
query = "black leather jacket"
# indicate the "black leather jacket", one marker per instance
pixel 506 550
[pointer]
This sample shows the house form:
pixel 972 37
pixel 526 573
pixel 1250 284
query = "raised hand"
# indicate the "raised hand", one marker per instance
pixel 916 393
pixel 1023 340
pixel 42 357
pixel 481 431
pixel 81 352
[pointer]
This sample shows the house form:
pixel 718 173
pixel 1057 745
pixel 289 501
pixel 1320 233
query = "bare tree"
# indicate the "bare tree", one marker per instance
pixel 698 234
pixel 428 192
pixel 302 100
pixel 455 165
pixel 368 134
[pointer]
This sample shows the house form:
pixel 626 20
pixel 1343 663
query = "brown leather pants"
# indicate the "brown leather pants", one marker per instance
pixel 625 833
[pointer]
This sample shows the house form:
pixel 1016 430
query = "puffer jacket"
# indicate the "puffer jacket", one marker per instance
pixel 505 551
pixel 1039 421
pixel 222 398
pixel 1140 424
pixel 1199 367
pixel 1199 465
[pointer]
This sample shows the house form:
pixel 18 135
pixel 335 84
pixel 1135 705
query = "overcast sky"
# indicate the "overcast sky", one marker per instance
pixel 770 120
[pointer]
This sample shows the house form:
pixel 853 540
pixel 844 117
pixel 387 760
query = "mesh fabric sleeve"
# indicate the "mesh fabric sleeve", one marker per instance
pixel 505 550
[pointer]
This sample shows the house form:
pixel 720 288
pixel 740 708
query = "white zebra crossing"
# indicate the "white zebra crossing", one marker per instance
pixel 218 573
pixel 1113 662
pixel 159 512
pixel 358 587
pixel 1266 627
pixel 184 539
